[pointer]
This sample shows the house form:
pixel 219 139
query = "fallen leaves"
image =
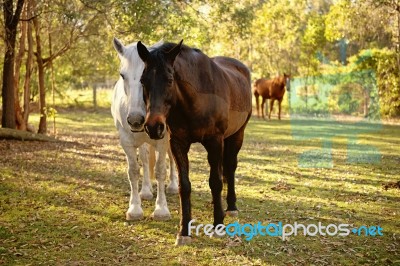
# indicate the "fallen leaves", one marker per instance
pixel 394 185
pixel 282 185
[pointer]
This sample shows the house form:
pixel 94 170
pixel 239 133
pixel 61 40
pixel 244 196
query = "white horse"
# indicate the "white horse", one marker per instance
pixel 129 112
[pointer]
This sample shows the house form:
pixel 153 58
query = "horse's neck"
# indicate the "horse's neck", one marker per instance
pixel 185 94
pixel 280 81
pixel 187 78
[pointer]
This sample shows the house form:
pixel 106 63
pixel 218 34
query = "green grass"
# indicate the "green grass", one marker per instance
pixel 64 203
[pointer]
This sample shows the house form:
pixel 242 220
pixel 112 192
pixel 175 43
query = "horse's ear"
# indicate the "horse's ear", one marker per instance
pixel 143 52
pixel 173 53
pixel 119 47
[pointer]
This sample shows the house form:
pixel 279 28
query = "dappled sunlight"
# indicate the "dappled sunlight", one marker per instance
pixel 71 196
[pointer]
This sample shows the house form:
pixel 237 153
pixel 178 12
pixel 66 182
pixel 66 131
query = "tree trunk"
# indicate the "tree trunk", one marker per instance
pixel 42 89
pixel 17 70
pixel 398 39
pixel 28 66
pixel 52 80
pixel 11 23
pixel 366 102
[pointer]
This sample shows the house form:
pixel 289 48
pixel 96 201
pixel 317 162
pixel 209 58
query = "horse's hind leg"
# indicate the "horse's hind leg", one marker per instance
pixel 262 107
pixel 135 211
pixel 161 211
pixel 232 147
pixel 256 95
pixel 146 152
pixel 173 176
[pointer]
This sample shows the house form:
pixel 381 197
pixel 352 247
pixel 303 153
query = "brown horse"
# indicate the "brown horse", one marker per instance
pixel 201 99
pixel 272 89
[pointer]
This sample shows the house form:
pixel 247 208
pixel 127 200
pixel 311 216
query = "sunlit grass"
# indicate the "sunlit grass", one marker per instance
pixel 65 202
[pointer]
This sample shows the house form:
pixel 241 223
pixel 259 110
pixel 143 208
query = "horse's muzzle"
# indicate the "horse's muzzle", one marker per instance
pixel 155 131
pixel 135 122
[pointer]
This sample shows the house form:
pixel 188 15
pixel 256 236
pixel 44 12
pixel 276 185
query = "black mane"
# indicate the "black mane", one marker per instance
pixel 166 47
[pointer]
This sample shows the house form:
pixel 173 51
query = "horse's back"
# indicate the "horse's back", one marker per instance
pixel 221 90
pixel 232 64
pixel 258 82
pixel 263 87
pixel 238 76
pixel 270 88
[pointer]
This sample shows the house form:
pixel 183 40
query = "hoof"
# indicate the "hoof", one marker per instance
pixel 172 189
pixel 146 195
pixel 134 213
pixel 134 217
pixel 183 240
pixel 161 216
pixel 234 213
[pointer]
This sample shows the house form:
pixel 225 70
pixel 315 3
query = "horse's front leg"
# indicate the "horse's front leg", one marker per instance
pixel 135 211
pixel 144 154
pixel 215 149
pixel 271 107
pixel 280 108
pixel 161 211
pixel 180 150
pixel 173 176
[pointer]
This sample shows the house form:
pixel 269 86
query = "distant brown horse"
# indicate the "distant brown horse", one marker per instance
pixel 272 89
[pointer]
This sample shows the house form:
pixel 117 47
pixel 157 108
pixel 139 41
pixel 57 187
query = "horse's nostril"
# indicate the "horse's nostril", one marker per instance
pixel 146 128
pixel 128 119
pixel 135 121
pixel 160 129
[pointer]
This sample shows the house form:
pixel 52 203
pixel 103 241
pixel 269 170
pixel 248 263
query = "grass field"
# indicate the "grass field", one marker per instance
pixel 64 203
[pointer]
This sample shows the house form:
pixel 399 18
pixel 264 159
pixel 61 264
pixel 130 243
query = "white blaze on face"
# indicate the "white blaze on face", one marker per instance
pixel 131 71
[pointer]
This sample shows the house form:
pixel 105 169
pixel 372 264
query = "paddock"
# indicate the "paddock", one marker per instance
pixel 64 202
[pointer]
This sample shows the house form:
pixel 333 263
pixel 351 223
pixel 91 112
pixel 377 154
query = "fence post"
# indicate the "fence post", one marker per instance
pixel 95 97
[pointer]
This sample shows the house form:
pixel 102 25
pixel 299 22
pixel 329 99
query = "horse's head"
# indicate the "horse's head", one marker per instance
pixel 286 78
pixel 130 71
pixel 158 85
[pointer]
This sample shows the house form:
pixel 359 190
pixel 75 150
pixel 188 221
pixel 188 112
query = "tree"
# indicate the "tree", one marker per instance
pixel 11 20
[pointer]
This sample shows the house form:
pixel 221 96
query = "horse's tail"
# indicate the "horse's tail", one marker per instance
pixel 255 84
pixel 256 95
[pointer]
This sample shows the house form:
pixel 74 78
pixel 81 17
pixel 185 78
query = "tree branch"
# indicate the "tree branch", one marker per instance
pixel 18 10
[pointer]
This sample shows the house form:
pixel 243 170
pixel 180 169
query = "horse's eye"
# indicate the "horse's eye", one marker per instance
pixel 122 75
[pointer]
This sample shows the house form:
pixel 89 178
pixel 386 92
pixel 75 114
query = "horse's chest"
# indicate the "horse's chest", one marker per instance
pixel 197 129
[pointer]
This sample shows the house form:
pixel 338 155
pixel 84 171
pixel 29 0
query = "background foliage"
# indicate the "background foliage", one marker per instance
pixel 304 38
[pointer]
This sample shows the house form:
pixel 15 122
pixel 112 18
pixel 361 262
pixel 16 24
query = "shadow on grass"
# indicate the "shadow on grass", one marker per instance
pixel 67 202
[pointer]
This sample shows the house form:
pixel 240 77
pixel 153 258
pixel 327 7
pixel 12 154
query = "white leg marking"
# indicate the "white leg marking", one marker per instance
pixel 183 240
pixel 161 211
pixel 173 175
pixel 146 191
pixel 135 211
